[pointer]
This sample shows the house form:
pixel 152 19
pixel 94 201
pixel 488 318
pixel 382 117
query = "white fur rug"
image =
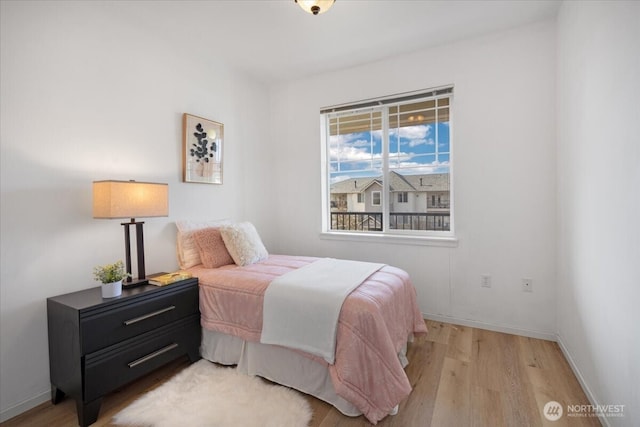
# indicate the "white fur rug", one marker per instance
pixel 208 395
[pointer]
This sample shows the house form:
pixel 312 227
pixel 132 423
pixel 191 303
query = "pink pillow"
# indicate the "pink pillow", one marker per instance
pixel 211 247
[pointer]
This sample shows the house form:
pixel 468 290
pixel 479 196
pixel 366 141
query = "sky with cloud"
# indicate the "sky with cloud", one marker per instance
pixel 418 149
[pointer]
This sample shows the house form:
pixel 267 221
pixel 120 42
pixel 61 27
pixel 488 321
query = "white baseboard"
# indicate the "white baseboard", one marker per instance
pixel 581 380
pixel 491 327
pixel 18 409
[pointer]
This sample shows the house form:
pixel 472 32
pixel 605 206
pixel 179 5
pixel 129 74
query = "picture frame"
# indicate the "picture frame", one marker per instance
pixel 202 141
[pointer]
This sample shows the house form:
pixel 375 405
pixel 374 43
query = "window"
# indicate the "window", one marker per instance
pixel 397 145
pixel 375 196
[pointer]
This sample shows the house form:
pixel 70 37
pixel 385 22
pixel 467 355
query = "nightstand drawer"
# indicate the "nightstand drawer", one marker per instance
pixel 112 367
pixel 119 322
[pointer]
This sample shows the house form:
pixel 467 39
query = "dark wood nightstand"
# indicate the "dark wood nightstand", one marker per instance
pixel 97 345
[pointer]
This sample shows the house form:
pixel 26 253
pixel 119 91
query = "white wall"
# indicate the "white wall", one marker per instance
pixel 504 174
pixel 599 199
pixel 89 94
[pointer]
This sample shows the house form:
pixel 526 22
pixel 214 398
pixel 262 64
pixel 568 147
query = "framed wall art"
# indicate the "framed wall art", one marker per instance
pixel 202 141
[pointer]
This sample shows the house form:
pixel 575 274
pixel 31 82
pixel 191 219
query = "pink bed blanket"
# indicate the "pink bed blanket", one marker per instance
pixel 375 321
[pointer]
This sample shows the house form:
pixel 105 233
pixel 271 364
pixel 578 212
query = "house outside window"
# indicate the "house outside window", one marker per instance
pixel 379 148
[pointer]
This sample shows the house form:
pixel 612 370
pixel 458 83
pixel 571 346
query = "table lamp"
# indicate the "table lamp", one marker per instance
pixel 131 199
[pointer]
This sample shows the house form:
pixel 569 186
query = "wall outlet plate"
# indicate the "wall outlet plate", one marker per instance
pixel 485 281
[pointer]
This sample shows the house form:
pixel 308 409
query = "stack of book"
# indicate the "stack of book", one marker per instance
pixel 169 278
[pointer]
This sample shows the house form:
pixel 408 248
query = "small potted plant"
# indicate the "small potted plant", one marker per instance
pixel 111 276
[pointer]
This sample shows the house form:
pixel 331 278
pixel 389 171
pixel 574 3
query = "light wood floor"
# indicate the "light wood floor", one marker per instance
pixel 461 376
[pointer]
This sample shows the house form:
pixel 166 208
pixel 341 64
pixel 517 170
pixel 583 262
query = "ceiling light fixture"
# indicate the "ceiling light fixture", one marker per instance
pixel 315 7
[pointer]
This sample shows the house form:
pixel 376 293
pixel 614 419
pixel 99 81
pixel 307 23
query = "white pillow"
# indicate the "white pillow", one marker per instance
pixel 186 247
pixel 243 243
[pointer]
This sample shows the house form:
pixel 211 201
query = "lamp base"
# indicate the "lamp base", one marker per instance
pixel 134 283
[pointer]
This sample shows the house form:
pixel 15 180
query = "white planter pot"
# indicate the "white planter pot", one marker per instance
pixel 111 290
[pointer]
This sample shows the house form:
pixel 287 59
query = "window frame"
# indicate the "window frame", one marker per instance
pixel 419 237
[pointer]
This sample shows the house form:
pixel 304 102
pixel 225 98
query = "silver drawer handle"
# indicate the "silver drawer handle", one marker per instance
pixel 152 355
pixel 148 315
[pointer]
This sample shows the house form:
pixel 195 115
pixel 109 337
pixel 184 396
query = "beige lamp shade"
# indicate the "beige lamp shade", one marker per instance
pixel 130 199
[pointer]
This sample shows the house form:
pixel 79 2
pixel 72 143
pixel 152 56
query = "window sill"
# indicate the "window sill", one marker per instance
pixel 396 239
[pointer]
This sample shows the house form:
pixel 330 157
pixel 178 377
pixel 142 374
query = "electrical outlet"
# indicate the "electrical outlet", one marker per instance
pixel 527 285
pixel 485 281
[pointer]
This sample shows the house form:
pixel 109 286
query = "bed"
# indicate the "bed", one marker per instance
pixel 375 323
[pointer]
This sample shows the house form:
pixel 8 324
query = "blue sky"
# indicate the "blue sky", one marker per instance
pixel 412 150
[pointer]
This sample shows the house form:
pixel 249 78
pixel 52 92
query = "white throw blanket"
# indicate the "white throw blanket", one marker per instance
pixel 301 308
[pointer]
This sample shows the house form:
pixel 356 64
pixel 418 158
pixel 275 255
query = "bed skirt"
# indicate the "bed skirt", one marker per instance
pixel 280 365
